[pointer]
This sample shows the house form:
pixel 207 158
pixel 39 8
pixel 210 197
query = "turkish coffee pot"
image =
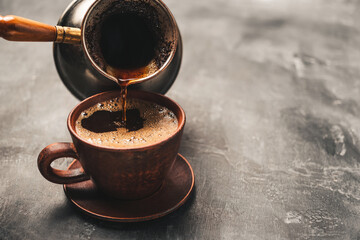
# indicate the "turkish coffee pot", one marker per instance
pixel 83 41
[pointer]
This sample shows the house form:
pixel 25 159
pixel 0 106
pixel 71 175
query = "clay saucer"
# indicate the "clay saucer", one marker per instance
pixel 173 193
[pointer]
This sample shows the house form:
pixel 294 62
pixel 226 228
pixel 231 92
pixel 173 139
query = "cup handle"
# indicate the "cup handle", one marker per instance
pixel 53 152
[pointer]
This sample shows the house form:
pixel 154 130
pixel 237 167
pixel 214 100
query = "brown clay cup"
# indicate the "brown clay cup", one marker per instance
pixel 123 173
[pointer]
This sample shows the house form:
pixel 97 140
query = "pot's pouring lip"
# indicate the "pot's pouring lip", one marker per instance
pixel 175 33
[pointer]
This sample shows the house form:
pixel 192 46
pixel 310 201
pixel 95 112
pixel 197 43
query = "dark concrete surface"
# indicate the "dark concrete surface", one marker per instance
pixel 271 92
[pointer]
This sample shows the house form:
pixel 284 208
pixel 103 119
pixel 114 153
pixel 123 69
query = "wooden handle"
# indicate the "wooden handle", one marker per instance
pixel 16 28
pixel 53 152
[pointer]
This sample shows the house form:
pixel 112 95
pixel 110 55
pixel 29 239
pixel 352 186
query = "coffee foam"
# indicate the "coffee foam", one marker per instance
pixel 159 124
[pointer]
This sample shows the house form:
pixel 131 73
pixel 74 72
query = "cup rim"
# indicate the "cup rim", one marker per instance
pixel 176 33
pixel 181 119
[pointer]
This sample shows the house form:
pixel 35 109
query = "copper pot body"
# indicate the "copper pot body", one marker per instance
pixel 78 69
pixel 77 53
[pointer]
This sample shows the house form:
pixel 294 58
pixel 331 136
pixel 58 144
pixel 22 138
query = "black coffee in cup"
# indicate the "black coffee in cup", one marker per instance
pixel 147 123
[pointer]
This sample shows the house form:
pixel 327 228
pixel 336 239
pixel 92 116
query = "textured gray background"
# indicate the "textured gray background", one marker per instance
pixel 271 91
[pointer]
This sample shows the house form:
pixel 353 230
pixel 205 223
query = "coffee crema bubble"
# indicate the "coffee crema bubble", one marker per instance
pixel 147 123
